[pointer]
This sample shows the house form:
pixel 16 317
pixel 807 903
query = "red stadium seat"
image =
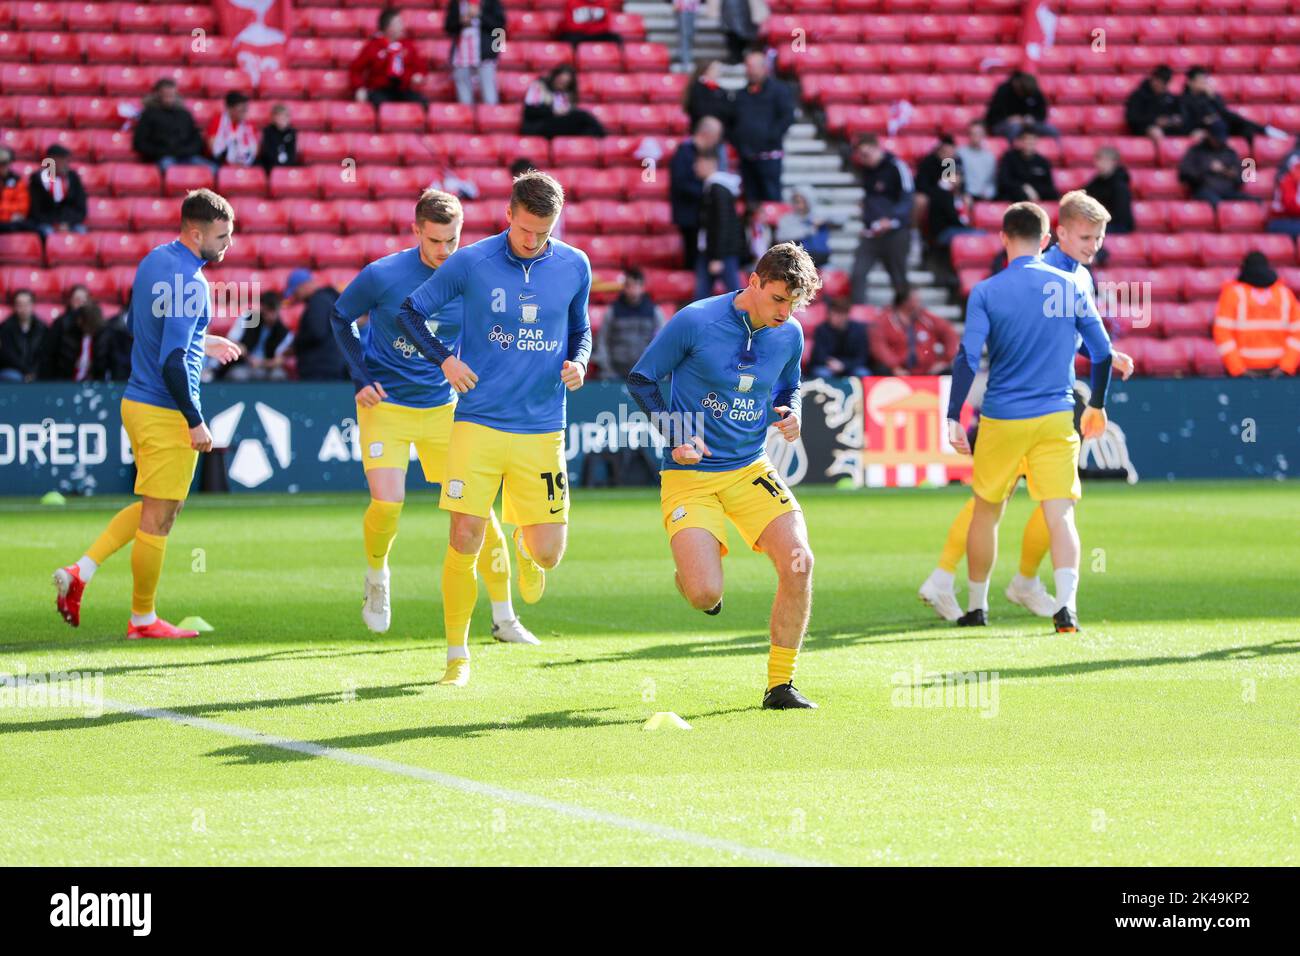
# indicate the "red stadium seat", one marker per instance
pixel 359 216
pixel 136 179
pixel 124 248
pixel 41 111
pixel 38 16
pixel 640 57
pixel 43 283
pixel 593 57
pixel 1170 250
pixel 13 47
pixel 1126 250
pixel 376 246
pixel 282 85
pixel 152 212
pixel 103 212
pixel 402 118
pixel 70 248
pixel 1204 283
pixel 102 283
pixel 54 48
pixel 1204 354
pixel 128 81
pixel 351 117
pixel 543 56
pixel 336 23
pixel 1165 359
pixel 1187 320
pixel 310 52
pixel 1190 216
pixel 262 215
pixel 316 216
pixel 1241 216
pixel 493 182
pixel 451 118
pixel 329 148
pixel 502 118
pixel 242 181
pixel 974 251
pixel 394 181
pixel 336 251
pixel 16 78
pixel 179 180
pixel 1157 183
pixel 288 182
pixel 280 251
pixel 158 50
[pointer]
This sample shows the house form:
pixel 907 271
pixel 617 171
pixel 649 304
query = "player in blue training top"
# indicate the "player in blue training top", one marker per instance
pixel 403 400
pixel 525 338
pixel 1031 315
pixel 169 315
pixel 733 364
pixel 1080 232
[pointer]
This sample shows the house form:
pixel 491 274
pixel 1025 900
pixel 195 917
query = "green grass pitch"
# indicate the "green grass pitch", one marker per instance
pixel 1165 733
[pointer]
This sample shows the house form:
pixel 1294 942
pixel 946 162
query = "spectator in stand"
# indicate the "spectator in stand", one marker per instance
pixel 1110 187
pixel 1257 323
pixel 630 323
pixel 314 347
pixel 81 347
pixel 166 133
pixel 1024 172
pixel 477 31
pixel 740 22
pixel 1204 109
pixel 686 11
pixel 279 141
pixel 263 345
pixel 1152 109
pixel 1211 169
pixel 22 340
pixel 550 107
pixel 705 97
pixel 1018 103
pixel 806 225
pixel 764 111
pixel 979 164
pixel 908 340
pixel 934 164
pixel 57 197
pixel 949 213
pixel 886 214
pixel 232 140
pixel 1285 212
pixel 722 236
pixel 388 69
pixel 686 190
pixel 840 345
pixel 15 201
pixel 588 21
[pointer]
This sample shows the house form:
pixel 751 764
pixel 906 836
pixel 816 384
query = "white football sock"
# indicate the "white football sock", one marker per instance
pixel 503 612
pixel 457 652
pixel 945 579
pixel 977 598
pixel 1067 587
pixel 87 567
pixel 1022 583
pixel 378 576
pixel 140 620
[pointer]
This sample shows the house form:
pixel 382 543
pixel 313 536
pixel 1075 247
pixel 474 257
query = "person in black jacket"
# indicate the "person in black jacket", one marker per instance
pixel 1204 109
pixel 58 200
pixel 1024 173
pixel 764 111
pixel 840 346
pixel 550 107
pixel 722 237
pixel 319 358
pixel 1211 169
pixel 477 31
pixel 166 133
pixel 22 340
pixel 1152 110
pixel 82 347
pixel 1110 187
pixel 686 190
pixel 263 341
pixel 706 97
pixel 887 203
pixel 1018 103
pixel 279 145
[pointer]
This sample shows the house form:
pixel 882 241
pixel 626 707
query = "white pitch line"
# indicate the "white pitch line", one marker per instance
pixel 465 785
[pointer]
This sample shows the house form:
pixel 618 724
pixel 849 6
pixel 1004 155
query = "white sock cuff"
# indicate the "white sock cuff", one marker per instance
pixel 455 653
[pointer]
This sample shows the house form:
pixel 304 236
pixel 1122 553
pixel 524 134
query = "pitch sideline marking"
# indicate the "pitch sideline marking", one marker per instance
pixel 466 785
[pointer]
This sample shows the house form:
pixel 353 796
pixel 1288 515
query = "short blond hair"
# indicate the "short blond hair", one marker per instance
pixel 1077 204
pixel 434 205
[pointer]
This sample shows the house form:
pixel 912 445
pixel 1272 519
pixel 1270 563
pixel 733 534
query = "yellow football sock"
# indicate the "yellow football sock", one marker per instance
pixel 954 548
pixel 780 665
pixel 1035 544
pixel 494 561
pixel 119 531
pixel 146 568
pixel 459 592
pixel 381 528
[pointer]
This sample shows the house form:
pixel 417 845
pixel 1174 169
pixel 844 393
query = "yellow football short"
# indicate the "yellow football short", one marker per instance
pixel 1044 449
pixel 751 497
pixel 388 431
pixel 160 441
pixel 530 470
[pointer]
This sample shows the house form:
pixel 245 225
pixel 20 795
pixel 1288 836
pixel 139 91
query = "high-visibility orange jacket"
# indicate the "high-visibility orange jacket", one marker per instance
pixel 1257 328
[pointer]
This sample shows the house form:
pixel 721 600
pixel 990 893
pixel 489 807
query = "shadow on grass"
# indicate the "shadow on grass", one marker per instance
pixel 1075 668
pixel 578 719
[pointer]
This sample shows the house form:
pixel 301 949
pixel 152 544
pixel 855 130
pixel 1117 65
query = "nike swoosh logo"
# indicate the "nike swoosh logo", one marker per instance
pixel 556 511
pixel 785 501
pixel 525 298
pixel 743 367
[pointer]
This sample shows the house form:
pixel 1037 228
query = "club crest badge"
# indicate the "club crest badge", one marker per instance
pixel 745 384
pixel 679 514
pixel 456 489
pixel 528 314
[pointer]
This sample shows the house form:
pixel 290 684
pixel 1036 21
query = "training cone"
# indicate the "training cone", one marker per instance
pixel 666 718
pixel 53 498
pixel 195 623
